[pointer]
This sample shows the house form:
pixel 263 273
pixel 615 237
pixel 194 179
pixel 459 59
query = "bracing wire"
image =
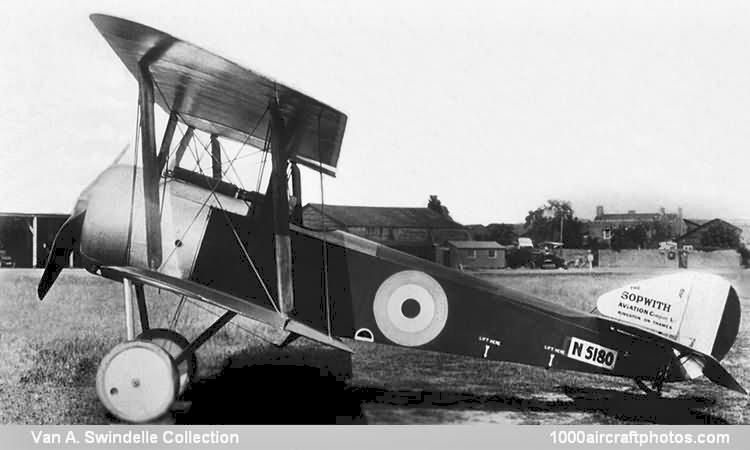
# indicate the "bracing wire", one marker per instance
pixel 198 156
pixel 213 313
pixel 213 193
pixel 177 313
pixel 246 254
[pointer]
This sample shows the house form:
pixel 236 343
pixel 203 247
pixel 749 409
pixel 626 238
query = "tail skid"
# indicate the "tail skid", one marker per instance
pixel 696 314
pixel 711 367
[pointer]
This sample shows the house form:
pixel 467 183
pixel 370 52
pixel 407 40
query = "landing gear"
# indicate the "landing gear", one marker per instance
pixel 174 343
pixel 652 391
pixel 656 385
pixel 139 380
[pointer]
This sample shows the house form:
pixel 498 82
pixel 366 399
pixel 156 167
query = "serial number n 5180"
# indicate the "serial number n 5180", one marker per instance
pixel 591 353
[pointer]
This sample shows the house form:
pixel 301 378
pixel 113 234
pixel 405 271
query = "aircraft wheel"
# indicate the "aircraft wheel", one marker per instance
pixel 137 381
pixel 174 343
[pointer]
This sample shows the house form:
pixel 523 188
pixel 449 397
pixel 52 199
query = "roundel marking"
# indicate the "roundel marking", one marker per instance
pixel 410 308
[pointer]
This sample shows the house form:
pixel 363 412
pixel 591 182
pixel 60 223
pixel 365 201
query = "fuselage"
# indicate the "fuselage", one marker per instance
pixel 221 241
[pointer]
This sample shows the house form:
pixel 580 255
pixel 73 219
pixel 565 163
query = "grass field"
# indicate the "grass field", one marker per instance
pixel 49 353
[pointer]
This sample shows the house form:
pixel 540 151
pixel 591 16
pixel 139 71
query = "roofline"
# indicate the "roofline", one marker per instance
pixel 46 215
pixel 316 205
pixel 319 207
pixel 694 221
pixel 467 244
pixel 699 227
pixel 326 216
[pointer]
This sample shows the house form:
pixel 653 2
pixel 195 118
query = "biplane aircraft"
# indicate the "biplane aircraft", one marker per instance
pixel 160 224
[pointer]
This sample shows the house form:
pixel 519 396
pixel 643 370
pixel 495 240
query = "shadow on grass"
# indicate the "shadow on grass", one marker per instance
pixel 638 407
pixel 283 389
pixel 275 387
pixel 623 406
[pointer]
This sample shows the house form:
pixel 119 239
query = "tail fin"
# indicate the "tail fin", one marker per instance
pixel 700 311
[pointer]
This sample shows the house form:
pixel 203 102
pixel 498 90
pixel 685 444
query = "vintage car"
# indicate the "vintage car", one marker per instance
pixel 543 256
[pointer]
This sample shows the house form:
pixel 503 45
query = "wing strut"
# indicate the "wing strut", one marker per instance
pixel 166 141
pixel 215 157
pixel 180 152
pixel 280 138
pixel 151 166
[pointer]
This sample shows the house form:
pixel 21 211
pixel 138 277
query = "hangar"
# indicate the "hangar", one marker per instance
pixel 25 238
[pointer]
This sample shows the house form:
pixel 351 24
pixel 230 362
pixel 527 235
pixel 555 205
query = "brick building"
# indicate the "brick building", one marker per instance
pixel 604 224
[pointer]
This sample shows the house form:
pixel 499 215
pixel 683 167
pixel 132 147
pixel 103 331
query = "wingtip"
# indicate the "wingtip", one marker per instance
pixel 98 18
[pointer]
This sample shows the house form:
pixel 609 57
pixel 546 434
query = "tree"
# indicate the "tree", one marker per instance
pixel 502 233
pixel 435 205
pixel 659 232
pixel 574 231
pixel 543 224
pixel 635 236
pixel 720 235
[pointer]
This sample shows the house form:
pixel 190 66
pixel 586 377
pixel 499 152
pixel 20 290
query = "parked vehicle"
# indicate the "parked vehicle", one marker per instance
pixel 524 254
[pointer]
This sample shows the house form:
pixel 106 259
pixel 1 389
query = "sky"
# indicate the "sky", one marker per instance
pixel 493 106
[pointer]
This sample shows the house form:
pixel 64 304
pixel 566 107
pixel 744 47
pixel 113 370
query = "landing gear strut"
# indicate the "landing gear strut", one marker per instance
pixel 139 380
pixel 653 390
pixel 174 343
pixel 656 384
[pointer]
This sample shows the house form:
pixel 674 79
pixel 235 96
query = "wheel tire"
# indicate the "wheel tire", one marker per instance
pixel 174 343
pixel 137 381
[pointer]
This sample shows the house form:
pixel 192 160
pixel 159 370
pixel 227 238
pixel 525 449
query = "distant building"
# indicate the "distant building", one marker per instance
pixel 26 238
pixel 604 224
pixel 696 228
pixel 419 231
pixel 476 255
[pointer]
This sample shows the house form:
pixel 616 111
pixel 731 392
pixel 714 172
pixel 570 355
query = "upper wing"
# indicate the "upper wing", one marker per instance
pixel 222 300
pixel 218 96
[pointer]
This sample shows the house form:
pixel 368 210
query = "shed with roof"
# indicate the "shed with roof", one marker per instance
pixel 418 231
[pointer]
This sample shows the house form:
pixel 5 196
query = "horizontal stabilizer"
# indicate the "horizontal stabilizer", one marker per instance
pixel 714 371
pixel 222 300
pixel 712 368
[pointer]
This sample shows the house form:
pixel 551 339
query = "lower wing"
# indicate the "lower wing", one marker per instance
pixel 222 300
